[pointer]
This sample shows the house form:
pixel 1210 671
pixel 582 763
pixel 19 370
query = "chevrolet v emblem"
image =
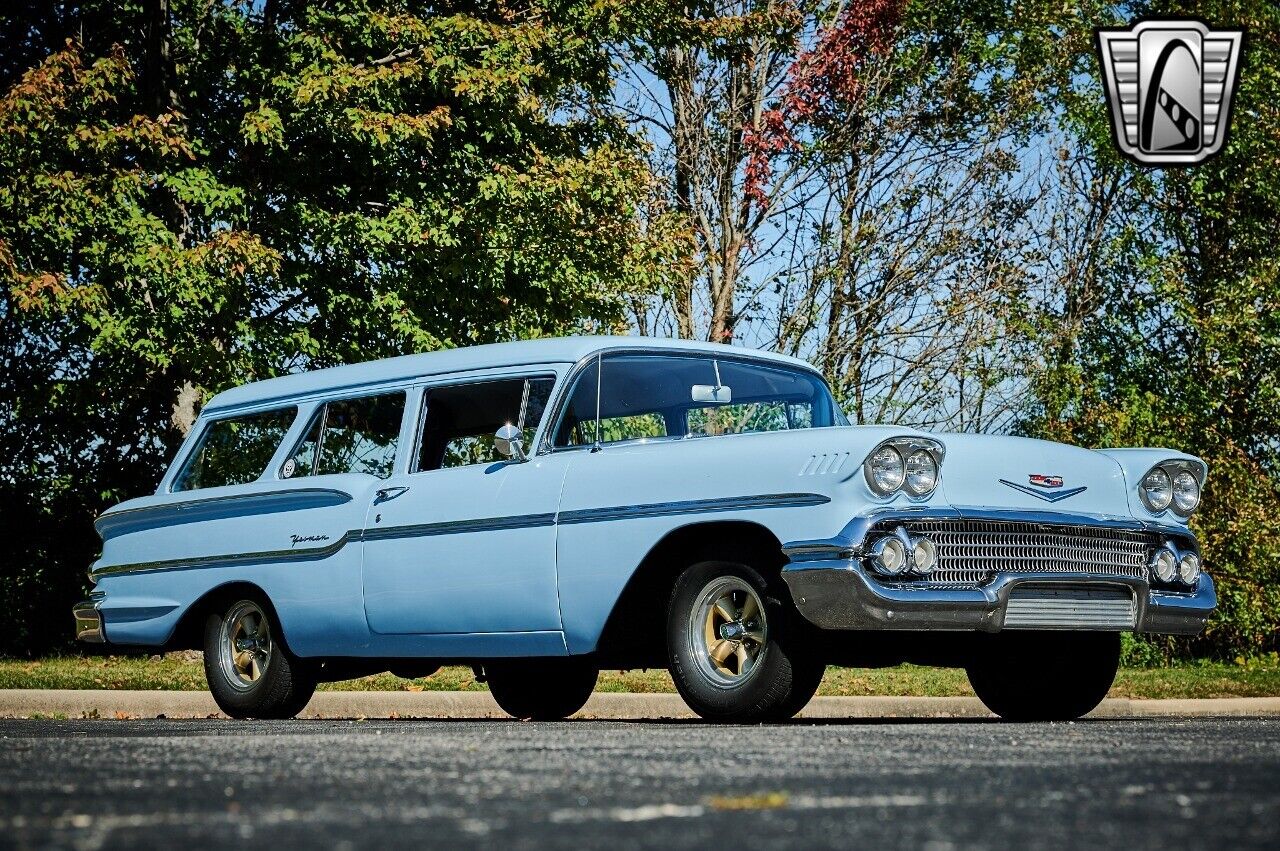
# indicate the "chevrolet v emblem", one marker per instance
pixel 1042 481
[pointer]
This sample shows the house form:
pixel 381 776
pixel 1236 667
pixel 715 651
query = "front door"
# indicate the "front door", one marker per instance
pixel 465 540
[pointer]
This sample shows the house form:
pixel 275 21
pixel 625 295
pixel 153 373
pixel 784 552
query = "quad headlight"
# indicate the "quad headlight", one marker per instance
pixel 904 463
pixel 1171 484
pixel 1156 490
pixel 1186 492
pixel 922 472
pixel 1169 565
pixel 885 470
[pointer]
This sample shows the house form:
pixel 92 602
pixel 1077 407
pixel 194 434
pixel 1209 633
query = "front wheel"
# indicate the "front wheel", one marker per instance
pixel 250 672
pixel 736 647
pixel 1044 676
pixel 541 689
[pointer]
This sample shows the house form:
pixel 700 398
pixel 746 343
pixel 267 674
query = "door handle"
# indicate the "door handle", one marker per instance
pixel 388 494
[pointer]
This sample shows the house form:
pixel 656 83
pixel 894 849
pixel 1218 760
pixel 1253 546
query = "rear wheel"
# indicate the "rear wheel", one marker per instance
pixel 250 672
pixel 737 651
pixel 1045 676
pixel 541 689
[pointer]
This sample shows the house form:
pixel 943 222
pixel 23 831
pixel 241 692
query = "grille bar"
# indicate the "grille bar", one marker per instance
pixel 970 552
pixel 1057 607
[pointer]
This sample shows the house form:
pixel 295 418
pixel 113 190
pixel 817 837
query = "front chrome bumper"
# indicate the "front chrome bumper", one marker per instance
pixel 839 594
pixel 89 621
pixel 833 588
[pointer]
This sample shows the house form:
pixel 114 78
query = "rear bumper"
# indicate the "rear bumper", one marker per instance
pixel 89 621
pixel 840 594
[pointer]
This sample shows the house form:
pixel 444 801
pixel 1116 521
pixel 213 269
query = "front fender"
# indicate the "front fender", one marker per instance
pixel 1137 462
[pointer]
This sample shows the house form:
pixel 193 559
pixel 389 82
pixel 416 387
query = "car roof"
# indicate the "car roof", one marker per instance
pixel 493 355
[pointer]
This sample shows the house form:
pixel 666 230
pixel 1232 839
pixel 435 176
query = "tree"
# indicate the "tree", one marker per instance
pixel 1176 340
pixel 858 181
pixel 196 194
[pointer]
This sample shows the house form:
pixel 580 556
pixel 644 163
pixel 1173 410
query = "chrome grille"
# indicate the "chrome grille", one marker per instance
pixel 971 551
pixel 1033 606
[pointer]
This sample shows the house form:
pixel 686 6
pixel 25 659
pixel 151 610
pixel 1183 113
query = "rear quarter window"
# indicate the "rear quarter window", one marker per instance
pixel 235 450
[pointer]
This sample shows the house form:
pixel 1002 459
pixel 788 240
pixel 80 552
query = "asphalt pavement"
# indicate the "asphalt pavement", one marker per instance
pixel 859 783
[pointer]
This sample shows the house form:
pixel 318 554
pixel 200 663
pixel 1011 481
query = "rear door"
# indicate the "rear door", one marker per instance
pixel 464 541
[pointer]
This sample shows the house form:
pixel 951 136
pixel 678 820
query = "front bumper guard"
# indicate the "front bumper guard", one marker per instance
pixel 840 594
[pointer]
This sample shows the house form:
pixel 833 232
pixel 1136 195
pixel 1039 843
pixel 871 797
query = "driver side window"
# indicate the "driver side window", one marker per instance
pixel 459 421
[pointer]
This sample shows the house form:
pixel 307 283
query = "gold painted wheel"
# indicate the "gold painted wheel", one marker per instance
pixel 727 632
pixel 245 645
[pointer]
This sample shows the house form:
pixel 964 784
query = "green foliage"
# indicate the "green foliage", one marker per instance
pixel 1182 346
pixel 182 672
pixel 260 187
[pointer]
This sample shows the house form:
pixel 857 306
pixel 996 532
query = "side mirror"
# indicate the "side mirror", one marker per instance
pixel 510 442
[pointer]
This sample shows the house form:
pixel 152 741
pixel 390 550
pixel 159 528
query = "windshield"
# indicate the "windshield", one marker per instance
pixel 688 396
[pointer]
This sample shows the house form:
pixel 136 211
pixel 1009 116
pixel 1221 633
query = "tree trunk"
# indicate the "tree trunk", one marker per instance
pixel 186 407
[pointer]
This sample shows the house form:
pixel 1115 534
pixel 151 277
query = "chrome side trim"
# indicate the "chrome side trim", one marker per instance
pixel 693 506
pixel 230 559
pixel 486 524
pixel 452 527
pixel 113 523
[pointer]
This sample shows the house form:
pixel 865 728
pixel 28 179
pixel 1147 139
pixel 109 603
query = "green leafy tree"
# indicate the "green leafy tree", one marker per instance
pixel 194 195
pixel 1174 339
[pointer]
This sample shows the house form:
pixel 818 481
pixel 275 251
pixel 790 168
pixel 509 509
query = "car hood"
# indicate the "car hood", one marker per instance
pixel 993 471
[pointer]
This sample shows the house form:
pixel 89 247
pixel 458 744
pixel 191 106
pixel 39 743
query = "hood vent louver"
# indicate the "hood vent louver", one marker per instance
pixel 825 464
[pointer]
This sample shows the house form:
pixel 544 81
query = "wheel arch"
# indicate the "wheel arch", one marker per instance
pixel 634 633
pixel 188 634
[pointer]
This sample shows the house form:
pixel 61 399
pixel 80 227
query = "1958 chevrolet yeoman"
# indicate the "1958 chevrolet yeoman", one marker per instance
pixel 547 509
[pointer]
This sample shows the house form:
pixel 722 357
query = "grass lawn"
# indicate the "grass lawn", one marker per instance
pixel 179 671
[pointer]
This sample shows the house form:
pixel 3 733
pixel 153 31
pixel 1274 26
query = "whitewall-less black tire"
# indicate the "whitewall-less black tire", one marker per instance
pixel 737 649
pixel 251 673
pixel 1044 676
pixel 541 689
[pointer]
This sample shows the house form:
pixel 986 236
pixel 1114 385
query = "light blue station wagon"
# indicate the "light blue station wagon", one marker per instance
pixel 546 509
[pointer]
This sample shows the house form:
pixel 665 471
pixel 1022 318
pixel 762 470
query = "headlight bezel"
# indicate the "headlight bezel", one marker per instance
pixel 1172 469
pixel 905 447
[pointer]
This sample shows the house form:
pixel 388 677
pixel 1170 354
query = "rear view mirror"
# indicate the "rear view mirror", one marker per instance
pixel 712 395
